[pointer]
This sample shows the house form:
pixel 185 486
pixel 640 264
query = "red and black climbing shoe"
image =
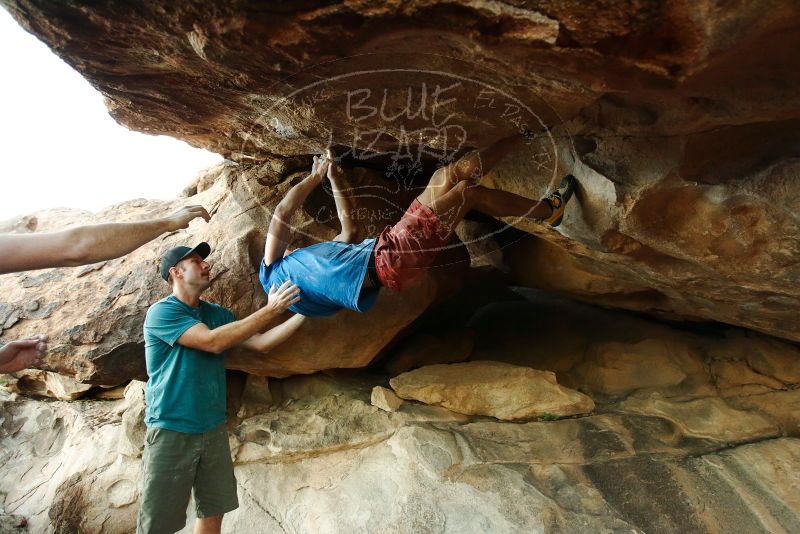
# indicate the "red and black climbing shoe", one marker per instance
pixel 558 200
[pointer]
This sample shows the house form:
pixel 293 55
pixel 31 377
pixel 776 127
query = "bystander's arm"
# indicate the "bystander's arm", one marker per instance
pixel 22 354
pixel 87 244
pixel 275 335
pixel 220 339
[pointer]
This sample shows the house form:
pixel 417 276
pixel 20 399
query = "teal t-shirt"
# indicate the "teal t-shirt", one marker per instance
pixel 185 391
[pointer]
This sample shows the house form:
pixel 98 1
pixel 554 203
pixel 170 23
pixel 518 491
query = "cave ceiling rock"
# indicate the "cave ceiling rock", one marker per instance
pixel 680 120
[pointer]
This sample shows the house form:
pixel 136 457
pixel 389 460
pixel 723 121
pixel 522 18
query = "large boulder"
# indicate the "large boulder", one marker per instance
pixel 46 384
pixel 619 368
pixel 133 429
pixel 385 399
pixel 321 457
pixel 496 389
pixel 94 314
pixel 680 121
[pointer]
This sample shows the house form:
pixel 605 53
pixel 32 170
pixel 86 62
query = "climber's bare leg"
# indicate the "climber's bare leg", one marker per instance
pixel 456 203
pixel 470 168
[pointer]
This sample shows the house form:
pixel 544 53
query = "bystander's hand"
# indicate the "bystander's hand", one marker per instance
pixel 279 300
pixel 181 218
pixel 23 354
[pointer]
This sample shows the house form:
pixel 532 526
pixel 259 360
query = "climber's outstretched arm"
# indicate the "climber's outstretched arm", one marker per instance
pixel 344 203
pixel 280 229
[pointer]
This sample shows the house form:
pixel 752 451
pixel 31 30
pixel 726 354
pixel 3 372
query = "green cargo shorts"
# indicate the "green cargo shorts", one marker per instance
pixel 175 463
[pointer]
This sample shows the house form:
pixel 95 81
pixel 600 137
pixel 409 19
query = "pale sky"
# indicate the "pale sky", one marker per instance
pixel 60 148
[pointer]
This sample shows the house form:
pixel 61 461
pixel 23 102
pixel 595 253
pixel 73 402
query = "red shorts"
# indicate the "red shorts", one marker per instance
pixel 404 251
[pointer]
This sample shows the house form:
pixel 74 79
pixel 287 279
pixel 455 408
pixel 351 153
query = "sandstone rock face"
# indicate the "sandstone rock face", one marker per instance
pixel 680 121
pixel 94 314
pixel 781 406
pixel 423 348
pixel 617 368
pixel 697 451
pixel 256 397
pixel 385 399
pixel 495 389
pixel 46 384
pixel 61 470
pixel 322 458
pixel 772 358
pixel 109 393
pixel 706 418
pixel 132 428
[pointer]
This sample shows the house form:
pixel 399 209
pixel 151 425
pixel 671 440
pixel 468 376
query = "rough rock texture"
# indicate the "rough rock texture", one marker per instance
pixel 256 396
pixel 700 455
pixel 500 390
pixel 616 368
pixel 385 399
pixel 46 384
pixel 94 314
pixel 12 523
pixel 680 119
pixel 61 469
pixel 422 348
pixel 132 431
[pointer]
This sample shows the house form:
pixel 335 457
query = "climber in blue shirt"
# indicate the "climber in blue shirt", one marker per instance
pixel 344 273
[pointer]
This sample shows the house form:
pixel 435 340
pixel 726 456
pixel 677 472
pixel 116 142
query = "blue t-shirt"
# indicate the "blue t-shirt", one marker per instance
pixel 185 391
pixel 329 275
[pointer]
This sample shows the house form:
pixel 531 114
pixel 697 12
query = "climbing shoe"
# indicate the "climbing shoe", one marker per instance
pixel 558 200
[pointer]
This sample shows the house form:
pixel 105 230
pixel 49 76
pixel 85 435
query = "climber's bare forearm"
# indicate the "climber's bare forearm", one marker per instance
pixel 280 230
pixel 344 205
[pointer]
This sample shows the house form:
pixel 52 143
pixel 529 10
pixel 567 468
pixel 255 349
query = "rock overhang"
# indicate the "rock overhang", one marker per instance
pixel 679 120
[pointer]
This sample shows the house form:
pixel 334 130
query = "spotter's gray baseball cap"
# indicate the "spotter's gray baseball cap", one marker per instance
pixel 176 254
